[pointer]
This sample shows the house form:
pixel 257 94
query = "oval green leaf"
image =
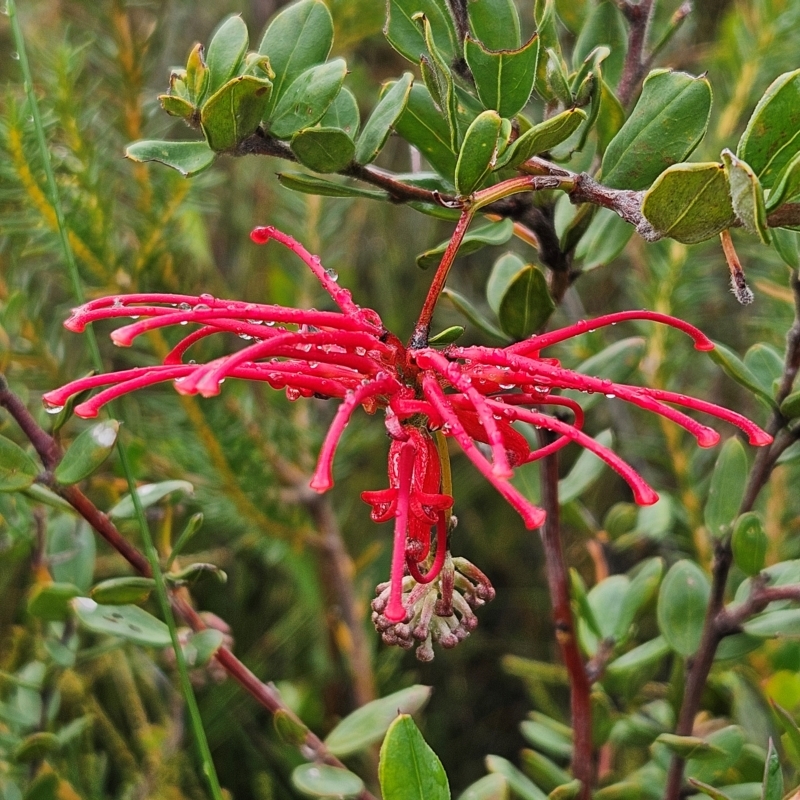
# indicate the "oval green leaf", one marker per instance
pixel 690 202
pixel 382 120
pixel 127 622
pixel 307 98
pixel 666 125
pixel 234 112
pixel 322 780
pixel 503 272
pixel 17 469
pixel 465 307
pixel 489 787
pixel 201 646
pixel 642 657
pixel 503 78
pixel 772 137
pixel 551 742
pixel 408 768
pixel 477 152
pixel 130 590
pixel 604 26
pixel 774 624
pixel 493 234
pixel 323 149
pixel 343 113
pixel 51 601
pixel 790 407
pixel 526 305
pixel 682 603
pixel 735 368
pixel 149 494
pixel 403 33
pixel 766 364
pixel 727 488
pixel 544 772
pixel 309 184
pixel 188 158
pixel 749 543
pixel 368 724
pixel 521 785
pixel 787 186
pixel 35 747
pixel 92 447
pixel 773 775
pixel 542 137
pixel 604 240
pixel 747 196
pixel 226 51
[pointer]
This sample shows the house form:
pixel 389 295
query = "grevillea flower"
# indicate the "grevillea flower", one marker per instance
pixel 470 394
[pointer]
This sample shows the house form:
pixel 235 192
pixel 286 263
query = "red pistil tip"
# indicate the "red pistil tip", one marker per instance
pixel 759 438
pixel 262 234
pixel 708 438
pixel 86 410
pixel 644 495
pixel 320 484
pixel 704 345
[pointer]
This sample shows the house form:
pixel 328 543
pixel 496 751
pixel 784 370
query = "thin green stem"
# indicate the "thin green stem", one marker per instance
pixel 152 555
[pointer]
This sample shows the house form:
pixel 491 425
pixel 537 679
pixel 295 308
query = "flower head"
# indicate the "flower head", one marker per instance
pixel 473 395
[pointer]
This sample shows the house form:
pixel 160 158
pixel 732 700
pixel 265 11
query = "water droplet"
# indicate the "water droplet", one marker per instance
pixel 332 274
pixel 270 323
pixel 506 385
pixel 361 351
pixel 4 11
pixel 184 307
pixel 51 408
pixel 136 316
pixel 246 336
pixel 207 297
pixel 183 321
pixel 306 348
pixel 191 361
pixel 15 55
pixel 313 364
pixel 610 396
pixel 29 118
pixel 117 303
pixel 541 389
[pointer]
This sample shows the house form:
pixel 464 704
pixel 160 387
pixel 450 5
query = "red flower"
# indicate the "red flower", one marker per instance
pixel 472 394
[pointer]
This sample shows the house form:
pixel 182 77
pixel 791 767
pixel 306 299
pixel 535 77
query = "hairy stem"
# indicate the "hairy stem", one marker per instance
pixel 558 584
pixel 636 62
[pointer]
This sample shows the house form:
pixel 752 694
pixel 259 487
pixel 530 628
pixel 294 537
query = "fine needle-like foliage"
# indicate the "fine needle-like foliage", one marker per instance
pixel 525 215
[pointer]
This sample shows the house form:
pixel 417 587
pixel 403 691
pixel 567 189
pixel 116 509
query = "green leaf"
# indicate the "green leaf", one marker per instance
pixel 368 724
pixel 403 33
pixel 201 646
pixel 489 787
pixel 447 336
pixel 610 117
pixel 192 526
pixel 644 585
pixel 35 747
pixel 51 601
pixel 520 784
pixel 130 590
pixel 504 78
pixel 526 304
pixel 774 624
pixel 604 239
pixel 422 125
pixel 666 125
pixel 727 488
pixel 787 245
pixel 689 746
pixel 193 572
pixel 41 494
pixel 766 364
pixel 567 791
pixel 606 600
pixel 323 149
pixel 297 38
pixel 307 98
pixel 308 184
pixel 542 137
pixel 408 768
pixel 127 622
pixel 322 780
pixel 383 118
pixel 544 13
pixel 735 368
pixel 682 603
pixel 790 407
pixel 503 273
pixel 641 657
pixel 586 470
pixel 71 551
pixel 747 196
pixel 495 23
pixel 492 234
pixel 787 186
pixel 149 494
pixel 226 51
pixel 234 112
pixel 708 790
pixel 176 106
pixel 553 743
pixel 772 137
pixel 773 776
pixel 557 80
pixel 749 543
pixel 788 725
pixel 474 316
pixel 544 772
pixel 477 152
pixel 690 202
pixel 343 113
pixel 604 26
pixel 188 158
pixel 92 447
pixel 17 469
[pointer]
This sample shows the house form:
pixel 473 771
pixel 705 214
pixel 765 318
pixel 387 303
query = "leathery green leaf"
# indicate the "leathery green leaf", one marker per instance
pixel 504 79
pixel 503 272
pixel 129 590
pixel 322 780
pixel 545 773
pixel 422 125
pixel 495 23
pixel 226 51
pixel 297 38
pixel 521 785
pixel 127 622
pixel 477 152
pixel 604 240
pixel 641 657
pixel 234 112
pixel 188 158
pixel 787 186
pixel 666 125
pixel 489 787
pixel 773 776
pixel 382 120
pixel 749 543
pixel 774 624
pixel 343 113
pixel 604 26
pixel 149 494
pixel 368 724
pixel 17 469
pixel 765 363
pixel 716 794
pixel 772 137
pixel 323 149
pixel 747 195
pixel 790 407
pixel 735 368
pixel 310 184
pixel 51 601
pixel 495 233
pixel 307 98
pixel 682 603
pixel 474 316
pixel 403 33
pixel 408 768
pixel 585 471
pixel 727 488
pixel 690 202
pixel 92 447
pixel 689 746
pixel 542 137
